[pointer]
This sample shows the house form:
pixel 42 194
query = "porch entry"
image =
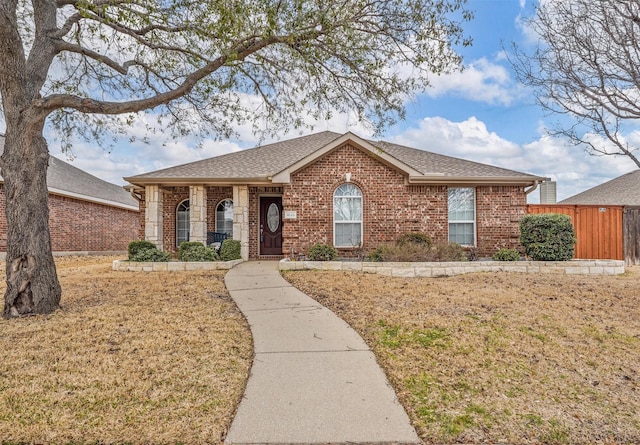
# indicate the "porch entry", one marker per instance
pixel 270 225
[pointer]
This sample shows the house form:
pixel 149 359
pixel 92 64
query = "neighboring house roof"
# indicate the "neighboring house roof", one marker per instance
pixel 622 191
pixel 274 163
pixel 66 180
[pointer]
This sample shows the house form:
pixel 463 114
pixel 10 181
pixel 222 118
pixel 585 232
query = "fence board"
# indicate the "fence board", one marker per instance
pixel 599 229
pixel 631 223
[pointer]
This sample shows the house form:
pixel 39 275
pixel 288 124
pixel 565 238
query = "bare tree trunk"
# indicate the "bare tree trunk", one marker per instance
pixel 32 283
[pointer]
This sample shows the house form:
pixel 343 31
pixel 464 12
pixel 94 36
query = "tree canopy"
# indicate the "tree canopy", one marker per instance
pixel 88 66
pixel 587 66
pixel 211 64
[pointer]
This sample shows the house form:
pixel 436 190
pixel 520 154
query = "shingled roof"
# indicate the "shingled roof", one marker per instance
pixel 623 190
pixel 66 180
pixel 267 163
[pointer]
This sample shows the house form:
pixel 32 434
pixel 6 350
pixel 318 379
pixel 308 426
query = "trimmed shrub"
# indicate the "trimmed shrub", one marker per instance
pixel 448 252
pixel 230 250
pixel 506 255
pixel 548 237
pixel 322 252
pixel 194 251
pixel 135 246
pixel 150 255
pixel 376 255
pixel 415 238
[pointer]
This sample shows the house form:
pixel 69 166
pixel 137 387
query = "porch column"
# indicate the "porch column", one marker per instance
pixel 153 215
pixel 241 218
pixel 198 213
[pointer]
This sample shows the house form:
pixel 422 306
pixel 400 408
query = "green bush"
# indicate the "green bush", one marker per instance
pixel 322 252
pixel 548 237
pixel 415 238
pixel 376 255
pixel 150 255
pixel 136 246
pixel 194 251
pixel 230 250
pixel 506 255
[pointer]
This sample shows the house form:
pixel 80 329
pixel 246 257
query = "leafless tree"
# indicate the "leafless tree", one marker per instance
pixel 587 66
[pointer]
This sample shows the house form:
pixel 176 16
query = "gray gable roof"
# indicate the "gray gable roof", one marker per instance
pixel 263 162
pixel 66 180
pixel 623 190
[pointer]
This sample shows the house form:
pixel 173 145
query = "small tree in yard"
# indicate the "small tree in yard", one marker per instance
pixel 86 67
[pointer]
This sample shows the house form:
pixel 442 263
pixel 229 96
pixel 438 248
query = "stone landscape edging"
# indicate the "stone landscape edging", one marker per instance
pixel 437 269
pixel 172 266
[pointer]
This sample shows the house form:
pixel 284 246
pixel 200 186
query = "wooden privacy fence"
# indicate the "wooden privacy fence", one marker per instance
pixel 599 229
pixel 631 227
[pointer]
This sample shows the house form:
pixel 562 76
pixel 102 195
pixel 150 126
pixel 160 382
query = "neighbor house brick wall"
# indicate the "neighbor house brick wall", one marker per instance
pixel 77 225
pixel 390 206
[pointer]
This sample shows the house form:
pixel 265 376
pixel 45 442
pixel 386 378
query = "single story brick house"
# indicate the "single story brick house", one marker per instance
pixel 338 189
pixel 86 214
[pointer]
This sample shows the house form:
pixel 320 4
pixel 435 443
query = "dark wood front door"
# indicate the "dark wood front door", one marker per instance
pixel 270 225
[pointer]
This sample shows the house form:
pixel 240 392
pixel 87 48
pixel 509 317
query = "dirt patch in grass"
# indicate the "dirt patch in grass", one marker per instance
pixel 130 358
pixel 501 357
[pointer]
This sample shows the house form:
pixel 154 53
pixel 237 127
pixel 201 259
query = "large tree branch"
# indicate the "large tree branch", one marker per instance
pixel 85 105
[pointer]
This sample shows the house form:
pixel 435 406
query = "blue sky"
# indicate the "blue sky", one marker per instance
pixel 481 114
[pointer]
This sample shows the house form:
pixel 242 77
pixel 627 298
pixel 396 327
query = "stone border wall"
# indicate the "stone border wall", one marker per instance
pixel 573 267
pixel 173 266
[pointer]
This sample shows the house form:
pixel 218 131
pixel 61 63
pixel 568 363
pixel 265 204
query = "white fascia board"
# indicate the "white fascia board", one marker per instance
pixel 93 199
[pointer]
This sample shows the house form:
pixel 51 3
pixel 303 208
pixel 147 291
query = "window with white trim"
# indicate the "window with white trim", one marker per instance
pixel 347 216
pixel 462 216
pixel 182 222
pixel 224 217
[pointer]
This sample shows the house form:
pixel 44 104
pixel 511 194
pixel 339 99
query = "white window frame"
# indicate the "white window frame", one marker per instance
pixel 229 234
pixel 188 221
pixel 360 221
pixel 463 221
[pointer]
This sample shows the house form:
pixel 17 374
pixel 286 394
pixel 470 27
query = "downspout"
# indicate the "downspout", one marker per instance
pixel 533 187
pixel 135 196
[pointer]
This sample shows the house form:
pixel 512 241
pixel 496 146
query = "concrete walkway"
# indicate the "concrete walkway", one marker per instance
pixel 313 379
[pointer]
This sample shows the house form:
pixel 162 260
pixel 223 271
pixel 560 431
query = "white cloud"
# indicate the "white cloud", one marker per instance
pixel 573 169
pixel 480 81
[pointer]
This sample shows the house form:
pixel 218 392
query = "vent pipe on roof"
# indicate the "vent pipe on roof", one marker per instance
pixel 548 192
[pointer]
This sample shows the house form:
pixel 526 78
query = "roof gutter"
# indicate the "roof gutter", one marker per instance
pixel 141 182
pixel 438 179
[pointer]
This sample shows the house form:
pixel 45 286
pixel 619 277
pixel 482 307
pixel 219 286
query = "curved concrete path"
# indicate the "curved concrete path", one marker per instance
pixel 313 379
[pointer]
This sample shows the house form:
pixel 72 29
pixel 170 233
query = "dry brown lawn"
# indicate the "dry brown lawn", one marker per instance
pixel 130 358
pixel 501 357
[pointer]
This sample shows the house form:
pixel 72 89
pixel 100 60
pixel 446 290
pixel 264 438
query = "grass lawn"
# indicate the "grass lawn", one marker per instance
pixel 130 358
pixel 501 357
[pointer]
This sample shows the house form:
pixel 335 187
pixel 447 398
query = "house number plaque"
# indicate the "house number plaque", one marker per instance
pixel 290 214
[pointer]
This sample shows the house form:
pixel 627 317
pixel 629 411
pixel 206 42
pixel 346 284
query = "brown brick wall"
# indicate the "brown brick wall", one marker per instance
pixel 390 206
pixel 499 210
pixel 77 225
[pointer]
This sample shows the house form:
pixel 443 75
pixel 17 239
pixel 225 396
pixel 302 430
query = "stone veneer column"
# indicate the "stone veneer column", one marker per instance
pixel 198 213
pixel 241 218
pixel 153 215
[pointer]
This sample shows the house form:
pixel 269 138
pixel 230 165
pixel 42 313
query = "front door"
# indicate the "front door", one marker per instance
pixel 270 225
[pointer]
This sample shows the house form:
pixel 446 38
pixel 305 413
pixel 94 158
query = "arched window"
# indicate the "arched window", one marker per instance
pixel 224 217
pixel 182 222
pixel 347 216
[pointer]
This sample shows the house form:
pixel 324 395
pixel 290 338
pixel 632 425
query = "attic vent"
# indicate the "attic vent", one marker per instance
pixel 548 192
